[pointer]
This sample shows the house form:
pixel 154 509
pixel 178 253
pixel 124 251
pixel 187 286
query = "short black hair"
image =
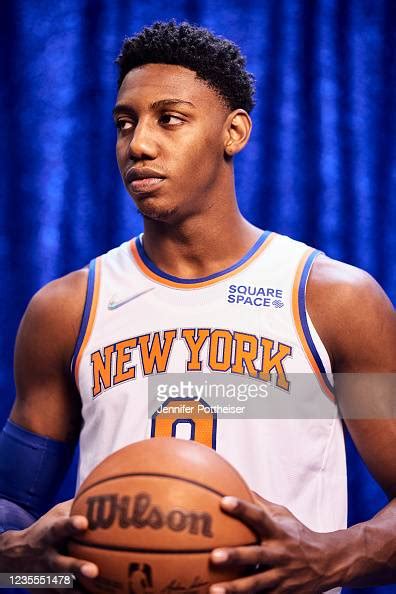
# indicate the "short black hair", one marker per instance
pixel 216 60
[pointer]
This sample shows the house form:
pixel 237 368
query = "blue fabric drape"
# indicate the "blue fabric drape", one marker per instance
pixel 320 166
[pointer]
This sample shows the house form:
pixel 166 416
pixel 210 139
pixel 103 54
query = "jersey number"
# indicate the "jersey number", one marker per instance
pixel 185 418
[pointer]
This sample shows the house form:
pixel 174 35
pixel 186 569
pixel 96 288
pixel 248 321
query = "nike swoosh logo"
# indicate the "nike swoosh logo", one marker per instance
pixel 116 304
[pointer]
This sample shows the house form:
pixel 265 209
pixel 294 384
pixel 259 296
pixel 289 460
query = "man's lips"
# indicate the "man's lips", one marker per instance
pixel 146 185
pixel 143 179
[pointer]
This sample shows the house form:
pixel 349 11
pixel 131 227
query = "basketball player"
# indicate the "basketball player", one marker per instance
pixel 166 302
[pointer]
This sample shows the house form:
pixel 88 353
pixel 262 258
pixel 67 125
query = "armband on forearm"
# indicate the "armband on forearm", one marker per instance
pixel 13 517
pixel 32 468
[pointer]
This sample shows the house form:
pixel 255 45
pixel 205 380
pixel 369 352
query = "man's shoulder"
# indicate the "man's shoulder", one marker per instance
pixel 54 314
pixel 343 286
pixel 344 278
pixel 65 291
pixel 348 307
pixel 334 278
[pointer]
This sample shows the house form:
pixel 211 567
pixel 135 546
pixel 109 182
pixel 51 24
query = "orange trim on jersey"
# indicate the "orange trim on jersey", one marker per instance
pixel 180 285
pixel 91 319
pixel 299 327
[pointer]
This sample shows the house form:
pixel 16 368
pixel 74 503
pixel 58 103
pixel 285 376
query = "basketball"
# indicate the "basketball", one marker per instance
pixel 154 517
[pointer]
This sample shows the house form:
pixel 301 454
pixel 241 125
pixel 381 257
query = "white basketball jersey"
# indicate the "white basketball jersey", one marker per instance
pixel 141 324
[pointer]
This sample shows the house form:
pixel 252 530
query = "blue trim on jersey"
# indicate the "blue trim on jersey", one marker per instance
pixel 150 264
pixel 87 311
pixel 303 317
pixel 214 434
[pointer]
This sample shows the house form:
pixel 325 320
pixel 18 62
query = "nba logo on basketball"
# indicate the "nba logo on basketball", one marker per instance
pixel 140 580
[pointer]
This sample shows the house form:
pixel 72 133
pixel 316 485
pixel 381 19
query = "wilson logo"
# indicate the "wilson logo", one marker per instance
pixel 103 511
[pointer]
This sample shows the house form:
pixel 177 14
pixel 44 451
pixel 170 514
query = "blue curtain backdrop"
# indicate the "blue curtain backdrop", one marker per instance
pixel 320 166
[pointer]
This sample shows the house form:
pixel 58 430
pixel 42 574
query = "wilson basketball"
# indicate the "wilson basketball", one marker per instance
pixel 154 517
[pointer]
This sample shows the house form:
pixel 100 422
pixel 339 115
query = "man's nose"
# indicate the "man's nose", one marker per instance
pixel 143 143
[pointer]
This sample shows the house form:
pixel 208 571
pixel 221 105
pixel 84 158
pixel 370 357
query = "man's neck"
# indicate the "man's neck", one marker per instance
pixel 199 247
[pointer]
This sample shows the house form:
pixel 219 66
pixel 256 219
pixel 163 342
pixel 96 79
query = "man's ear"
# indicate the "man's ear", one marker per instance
pixel 237 127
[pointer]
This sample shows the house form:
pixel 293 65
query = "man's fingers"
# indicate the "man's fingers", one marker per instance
pixel 247 555
pixel 77 567
pixel 248 585
pixel 256 517
pixel 64 528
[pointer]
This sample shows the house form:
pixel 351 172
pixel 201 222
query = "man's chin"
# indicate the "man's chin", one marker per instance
pixel 154 213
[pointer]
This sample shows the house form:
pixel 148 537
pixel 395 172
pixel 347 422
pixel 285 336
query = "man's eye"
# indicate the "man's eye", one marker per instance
pixel 168 118
pixel 123 125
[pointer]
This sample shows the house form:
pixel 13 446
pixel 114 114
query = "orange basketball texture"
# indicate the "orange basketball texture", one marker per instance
pixel 154 517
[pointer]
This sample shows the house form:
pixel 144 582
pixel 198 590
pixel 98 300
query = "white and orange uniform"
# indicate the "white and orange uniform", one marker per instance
pixel 249 319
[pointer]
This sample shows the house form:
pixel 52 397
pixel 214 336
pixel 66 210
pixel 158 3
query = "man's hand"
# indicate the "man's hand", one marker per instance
pixel 290 558
pixel 42 546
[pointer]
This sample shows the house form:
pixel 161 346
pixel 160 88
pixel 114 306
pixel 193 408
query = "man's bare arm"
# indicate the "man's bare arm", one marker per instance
pixel 359 330
pixel 356 322
pixel 48 403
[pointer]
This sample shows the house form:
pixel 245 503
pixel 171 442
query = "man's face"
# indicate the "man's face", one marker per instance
pixel 170 141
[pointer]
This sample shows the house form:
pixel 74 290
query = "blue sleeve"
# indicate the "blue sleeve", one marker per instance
pixel 13 517
pixel 32 468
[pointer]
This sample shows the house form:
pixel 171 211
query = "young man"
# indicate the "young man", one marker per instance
pixel 163 303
